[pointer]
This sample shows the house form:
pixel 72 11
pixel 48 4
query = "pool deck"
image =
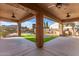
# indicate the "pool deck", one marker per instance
pixel 61 46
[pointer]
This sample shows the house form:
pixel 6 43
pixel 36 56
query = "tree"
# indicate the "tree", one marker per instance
pixel 46 25
pixel 72 24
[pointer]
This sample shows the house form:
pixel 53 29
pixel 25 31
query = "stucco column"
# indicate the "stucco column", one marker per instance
pixel 61 27
pixel 39 30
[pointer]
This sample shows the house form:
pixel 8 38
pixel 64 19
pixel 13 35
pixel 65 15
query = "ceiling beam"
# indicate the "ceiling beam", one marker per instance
pixel 37 8
pixel 7 19
pixel 27 17
pixel 71 20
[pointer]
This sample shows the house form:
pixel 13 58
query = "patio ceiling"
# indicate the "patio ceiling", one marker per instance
pixel 61 13
pixel 58 14
pixel 14 12
pixel 24 11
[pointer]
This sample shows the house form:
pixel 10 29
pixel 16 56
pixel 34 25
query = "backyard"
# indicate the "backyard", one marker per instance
pixel 32 37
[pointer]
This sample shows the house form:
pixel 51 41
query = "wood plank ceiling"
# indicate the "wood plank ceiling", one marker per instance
pixel 65 8
pixel 23 11
pixel 14 12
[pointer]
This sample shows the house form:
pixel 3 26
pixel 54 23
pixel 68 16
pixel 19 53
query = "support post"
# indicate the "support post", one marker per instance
pixel 39 30
pixel 61 26
pixel 19 29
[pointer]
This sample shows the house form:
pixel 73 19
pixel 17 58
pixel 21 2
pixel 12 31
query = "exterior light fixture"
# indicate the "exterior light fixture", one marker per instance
pixel 68 15
pixel 13 15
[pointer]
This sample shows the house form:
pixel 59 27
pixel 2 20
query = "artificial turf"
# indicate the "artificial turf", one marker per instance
pixel 32 37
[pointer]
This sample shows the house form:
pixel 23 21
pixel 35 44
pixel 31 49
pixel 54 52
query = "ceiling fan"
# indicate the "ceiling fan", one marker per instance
pixel 58 5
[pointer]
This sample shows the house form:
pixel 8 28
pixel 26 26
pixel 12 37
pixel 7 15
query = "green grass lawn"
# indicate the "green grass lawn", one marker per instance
pixel 32 37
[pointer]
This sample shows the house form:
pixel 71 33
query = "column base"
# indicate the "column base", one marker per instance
pixel 39 46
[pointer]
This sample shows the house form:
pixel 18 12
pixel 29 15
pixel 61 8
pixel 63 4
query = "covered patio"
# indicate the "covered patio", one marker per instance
pixel 21 12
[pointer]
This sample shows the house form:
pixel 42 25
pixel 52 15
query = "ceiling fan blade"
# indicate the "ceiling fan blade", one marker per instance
pixel 57 4
pixel 51 6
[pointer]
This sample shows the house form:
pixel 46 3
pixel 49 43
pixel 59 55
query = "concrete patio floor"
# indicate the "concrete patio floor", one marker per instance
pixel 61 46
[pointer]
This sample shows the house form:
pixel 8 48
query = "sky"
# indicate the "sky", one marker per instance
pixel 28 23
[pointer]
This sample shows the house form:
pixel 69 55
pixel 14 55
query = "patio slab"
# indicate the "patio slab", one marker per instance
pixel 64 46
pixel 61 46
pixel 14 46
